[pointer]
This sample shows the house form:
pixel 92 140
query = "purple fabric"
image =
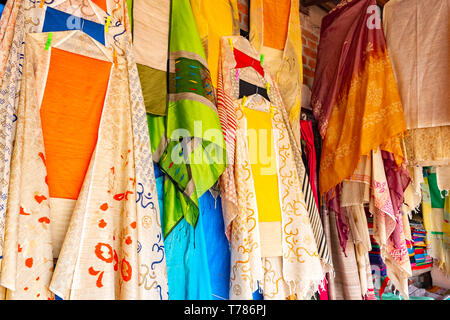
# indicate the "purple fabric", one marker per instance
pixel 334 204
pixel 398 180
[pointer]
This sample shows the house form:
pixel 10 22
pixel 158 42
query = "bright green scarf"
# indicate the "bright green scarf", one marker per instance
pixel 192 149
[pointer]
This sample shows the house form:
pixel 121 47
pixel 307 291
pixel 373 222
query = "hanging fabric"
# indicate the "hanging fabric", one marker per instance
pixel 215 19
pixel 147 228
pixel 300 277
pixel 192 150
pixel 275 33
pixel 151 34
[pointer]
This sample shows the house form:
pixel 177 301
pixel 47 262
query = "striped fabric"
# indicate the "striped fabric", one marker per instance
pixel 227 118
pixel 316 223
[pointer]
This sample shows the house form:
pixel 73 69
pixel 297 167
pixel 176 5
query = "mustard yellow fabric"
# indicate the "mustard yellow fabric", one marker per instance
pixel 214 20
pixel 263 163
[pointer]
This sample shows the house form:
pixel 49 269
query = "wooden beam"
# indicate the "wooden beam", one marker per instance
pixel 308 3
pixel 328 3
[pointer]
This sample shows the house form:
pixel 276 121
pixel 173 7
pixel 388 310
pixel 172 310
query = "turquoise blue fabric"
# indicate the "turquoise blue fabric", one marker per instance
pixel 56 20
pixel 217 246
pixel 198 260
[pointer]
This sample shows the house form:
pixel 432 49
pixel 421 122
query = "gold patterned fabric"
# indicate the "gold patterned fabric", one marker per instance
pixel 428 146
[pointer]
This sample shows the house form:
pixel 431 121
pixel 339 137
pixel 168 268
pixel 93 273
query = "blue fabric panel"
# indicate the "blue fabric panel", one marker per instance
pixel 216 246
pixel 186 258
pixel 56 20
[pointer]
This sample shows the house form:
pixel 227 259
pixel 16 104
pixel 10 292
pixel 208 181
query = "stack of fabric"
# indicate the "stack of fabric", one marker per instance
pixel 421 260
pixel 377 265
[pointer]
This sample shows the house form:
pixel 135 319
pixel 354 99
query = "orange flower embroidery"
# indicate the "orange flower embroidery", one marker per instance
pixel 121 196
pixel 93 272
pixel 99 283
pixel 102 223
pixel 44 220
pixel 39 199
pixel 128 240
pixel 125 270
pixel 99 252
pixel 29 262
pixel 21 211
pixel 133 225
pixel 104 207
pixel 41 155
pixel 116 261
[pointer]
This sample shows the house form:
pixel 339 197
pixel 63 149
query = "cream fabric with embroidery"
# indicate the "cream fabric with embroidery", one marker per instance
pixel 101 255
pixel 301 266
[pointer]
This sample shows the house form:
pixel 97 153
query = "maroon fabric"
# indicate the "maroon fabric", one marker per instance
pixel 334 204
pixel 340 55
pixel 243 60
pixel 398 180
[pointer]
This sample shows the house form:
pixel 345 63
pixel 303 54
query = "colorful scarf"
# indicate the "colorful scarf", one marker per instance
pixel 354 92
pixel 377 182
pixel 389 224
pixel 345 283
pixel 198 261
pixel 192 151
pixel 7 25
pixel 106 230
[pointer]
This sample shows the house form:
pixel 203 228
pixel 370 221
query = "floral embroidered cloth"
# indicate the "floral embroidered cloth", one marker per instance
pixel 107 234
pixel 151 252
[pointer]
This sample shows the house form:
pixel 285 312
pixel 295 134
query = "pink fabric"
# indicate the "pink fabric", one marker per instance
pixel 398 180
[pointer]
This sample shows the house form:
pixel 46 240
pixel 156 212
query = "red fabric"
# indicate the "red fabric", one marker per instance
pixel 243 60
pixel 308 136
